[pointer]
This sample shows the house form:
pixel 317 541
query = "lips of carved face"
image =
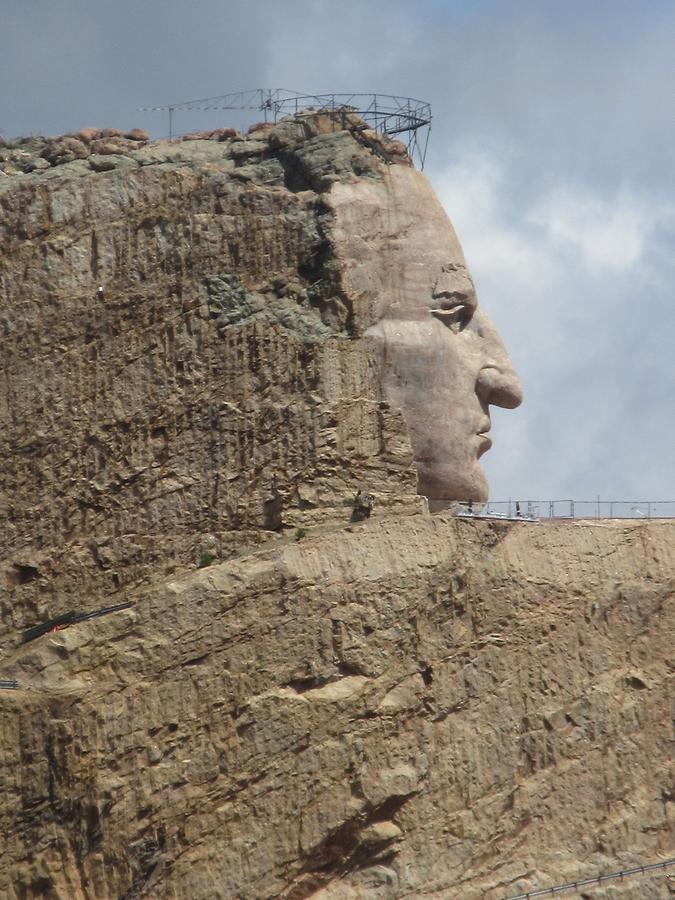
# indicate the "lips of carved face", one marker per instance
pixel 484 442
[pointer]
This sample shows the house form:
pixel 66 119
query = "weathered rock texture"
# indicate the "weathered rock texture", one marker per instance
pixel 443 362
pixel 402 706
pixel 407 707
pixel 143 430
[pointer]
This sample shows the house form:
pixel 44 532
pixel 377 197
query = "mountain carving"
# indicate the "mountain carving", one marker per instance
pixel 275 674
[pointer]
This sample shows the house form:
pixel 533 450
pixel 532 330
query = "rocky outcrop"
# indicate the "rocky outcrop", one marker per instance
pixel 415 706
pixel 37 153
pixel 144 429
pixel 316 688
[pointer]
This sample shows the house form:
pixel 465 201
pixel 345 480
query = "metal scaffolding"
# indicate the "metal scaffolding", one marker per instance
pixel 403 118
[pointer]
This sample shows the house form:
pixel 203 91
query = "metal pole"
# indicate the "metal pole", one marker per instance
pixel 424 152
pixel 170 122
pixel 598 515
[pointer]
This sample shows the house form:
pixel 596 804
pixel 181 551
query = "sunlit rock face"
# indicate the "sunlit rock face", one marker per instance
pixel 443 362
pixel 412 707
pixel 284 306
pixel 142 426
pixel 378 704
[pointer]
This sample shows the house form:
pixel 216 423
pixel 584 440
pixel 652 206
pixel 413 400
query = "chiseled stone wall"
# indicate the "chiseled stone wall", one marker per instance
pixel 411 706
pixel 406 706
pixel 142 430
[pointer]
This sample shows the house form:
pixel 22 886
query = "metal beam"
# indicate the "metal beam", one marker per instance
pixel 387 114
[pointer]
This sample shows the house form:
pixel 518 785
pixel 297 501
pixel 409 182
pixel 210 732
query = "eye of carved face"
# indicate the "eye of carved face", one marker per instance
pixel 452 309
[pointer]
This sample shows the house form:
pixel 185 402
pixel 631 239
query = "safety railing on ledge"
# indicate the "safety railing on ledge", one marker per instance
pixel 575 886
pixel 569 509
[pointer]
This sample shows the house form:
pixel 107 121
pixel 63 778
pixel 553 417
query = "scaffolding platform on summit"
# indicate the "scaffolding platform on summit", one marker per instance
pixel 402 118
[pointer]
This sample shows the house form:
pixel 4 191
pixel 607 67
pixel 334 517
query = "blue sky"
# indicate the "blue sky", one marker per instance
pixel 551 149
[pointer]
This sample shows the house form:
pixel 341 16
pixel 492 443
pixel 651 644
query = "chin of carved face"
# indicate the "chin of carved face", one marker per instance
pixel 446 482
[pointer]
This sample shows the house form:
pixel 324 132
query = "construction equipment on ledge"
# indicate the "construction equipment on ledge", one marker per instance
pixel 483 511
pixel 362 506
pixel 70 618
pixel 403 118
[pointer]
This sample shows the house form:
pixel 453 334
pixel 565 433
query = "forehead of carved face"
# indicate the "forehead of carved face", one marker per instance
pixel 443 362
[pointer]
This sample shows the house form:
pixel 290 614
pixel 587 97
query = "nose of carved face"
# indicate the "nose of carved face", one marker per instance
pixel 498 386
pixel 497 383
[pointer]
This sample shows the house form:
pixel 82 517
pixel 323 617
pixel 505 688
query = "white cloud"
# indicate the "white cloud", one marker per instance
pixel 473 192
pixel 609 233
pixel 559 267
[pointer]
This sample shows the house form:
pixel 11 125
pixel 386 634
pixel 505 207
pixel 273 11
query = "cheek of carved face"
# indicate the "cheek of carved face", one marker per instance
pixel 444 378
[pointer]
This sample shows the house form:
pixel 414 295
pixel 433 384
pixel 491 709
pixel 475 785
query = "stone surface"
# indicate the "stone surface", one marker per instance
pixel 184 398
pixel 137 430
pixel 317 691
pixel 443 362
pixel 415 706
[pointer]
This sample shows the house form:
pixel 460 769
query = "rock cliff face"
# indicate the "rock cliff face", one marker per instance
pixel 415 706
pixel 403 706
pixel 145 428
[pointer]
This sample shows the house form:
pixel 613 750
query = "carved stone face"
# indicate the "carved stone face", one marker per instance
pixel 443 362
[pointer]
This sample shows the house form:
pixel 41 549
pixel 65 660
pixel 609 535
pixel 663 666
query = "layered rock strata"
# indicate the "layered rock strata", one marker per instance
pixel 317 692
pixel 218 372
pixel 406 707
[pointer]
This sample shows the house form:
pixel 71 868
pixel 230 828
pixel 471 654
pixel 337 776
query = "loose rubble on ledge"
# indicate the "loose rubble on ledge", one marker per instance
pixel 105 149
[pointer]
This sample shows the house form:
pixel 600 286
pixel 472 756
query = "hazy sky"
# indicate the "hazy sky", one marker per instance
pixel 552 149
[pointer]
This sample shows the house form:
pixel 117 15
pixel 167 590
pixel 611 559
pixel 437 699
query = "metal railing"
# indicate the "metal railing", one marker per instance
pixel 388 114
pixel 593 882
pixel 570 509
pixel 70 618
